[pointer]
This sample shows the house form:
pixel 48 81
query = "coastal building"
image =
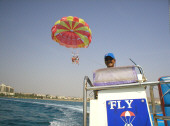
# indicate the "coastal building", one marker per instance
pixel 50 96
pixel 6 90
pixel 41 96
pixel 61 97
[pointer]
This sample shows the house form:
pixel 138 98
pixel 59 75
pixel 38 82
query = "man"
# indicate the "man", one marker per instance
pixel 110 60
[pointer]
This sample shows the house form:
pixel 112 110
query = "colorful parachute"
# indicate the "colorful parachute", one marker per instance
pixel 128 117
pixel 71 32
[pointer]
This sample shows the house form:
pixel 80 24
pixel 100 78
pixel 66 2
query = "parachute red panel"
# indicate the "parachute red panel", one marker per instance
pixel 127 113
pixel 71 32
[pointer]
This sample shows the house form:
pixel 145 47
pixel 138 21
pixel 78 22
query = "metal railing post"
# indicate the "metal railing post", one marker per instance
pixel 85 101
pixel 153 106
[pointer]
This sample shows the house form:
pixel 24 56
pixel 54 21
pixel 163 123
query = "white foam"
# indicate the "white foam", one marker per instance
pixel 70 107
pixel 54 123
pixel 57 123
pixel 63 122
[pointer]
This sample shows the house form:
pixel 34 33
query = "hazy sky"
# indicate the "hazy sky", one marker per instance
pixel 31 62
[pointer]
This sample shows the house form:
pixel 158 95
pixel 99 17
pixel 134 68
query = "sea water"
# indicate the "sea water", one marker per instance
pixel 34 112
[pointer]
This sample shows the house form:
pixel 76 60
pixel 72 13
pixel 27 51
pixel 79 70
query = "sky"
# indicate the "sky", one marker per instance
pixel 31 62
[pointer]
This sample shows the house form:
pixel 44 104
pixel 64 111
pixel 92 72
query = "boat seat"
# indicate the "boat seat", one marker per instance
pixel 115 76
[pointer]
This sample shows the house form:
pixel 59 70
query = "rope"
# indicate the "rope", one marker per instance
pixel 166 93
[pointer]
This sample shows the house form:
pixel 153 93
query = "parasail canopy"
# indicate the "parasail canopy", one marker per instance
pixel 127 113
pixel 71 32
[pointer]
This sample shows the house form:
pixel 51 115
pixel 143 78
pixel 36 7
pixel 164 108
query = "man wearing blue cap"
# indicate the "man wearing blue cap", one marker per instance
pixel 110 60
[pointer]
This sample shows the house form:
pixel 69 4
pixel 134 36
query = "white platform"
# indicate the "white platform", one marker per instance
pixel 98 108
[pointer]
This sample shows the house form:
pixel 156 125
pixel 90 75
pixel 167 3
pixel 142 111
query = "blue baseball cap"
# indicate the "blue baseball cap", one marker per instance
pixel 109 54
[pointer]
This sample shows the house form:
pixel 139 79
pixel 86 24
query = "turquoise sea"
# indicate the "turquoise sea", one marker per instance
pixel 34 112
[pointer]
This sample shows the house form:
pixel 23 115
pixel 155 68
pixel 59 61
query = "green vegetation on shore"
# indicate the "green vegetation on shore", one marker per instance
pixel 45 97
pixel 20 95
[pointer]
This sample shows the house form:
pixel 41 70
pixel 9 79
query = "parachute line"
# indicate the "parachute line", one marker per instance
pixel 123 120
pixel 132 119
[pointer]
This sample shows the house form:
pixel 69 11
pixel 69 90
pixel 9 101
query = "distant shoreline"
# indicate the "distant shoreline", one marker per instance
pixel 43 99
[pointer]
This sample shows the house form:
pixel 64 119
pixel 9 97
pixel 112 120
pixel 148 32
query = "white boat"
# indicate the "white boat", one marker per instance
pixel 120 98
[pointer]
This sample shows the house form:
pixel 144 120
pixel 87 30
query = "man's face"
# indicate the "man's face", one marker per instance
pixel 109 61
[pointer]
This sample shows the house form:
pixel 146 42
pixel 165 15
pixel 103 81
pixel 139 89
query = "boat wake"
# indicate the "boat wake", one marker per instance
pixel 53 113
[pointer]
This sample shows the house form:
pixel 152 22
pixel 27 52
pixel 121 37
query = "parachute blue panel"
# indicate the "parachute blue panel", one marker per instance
pixel 128 112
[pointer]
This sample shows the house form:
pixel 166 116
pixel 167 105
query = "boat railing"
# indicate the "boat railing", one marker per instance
pixel 88 86
pixel 155 116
